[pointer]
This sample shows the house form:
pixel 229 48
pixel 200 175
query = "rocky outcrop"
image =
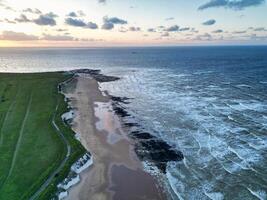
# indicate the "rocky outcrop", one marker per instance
pixel 147 146
pixel 95 74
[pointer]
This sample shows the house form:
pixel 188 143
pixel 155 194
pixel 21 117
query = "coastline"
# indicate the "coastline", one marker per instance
pixel 117 172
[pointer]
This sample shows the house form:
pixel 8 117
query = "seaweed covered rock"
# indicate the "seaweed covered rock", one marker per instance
pixel 95 74
pixel 155 150
pixel 147 146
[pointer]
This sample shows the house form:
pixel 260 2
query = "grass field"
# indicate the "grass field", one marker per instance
pixel 31 148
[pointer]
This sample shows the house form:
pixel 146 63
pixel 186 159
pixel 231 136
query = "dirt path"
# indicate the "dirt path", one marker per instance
pixel 62 164
pixel 6 117
pixel 18 141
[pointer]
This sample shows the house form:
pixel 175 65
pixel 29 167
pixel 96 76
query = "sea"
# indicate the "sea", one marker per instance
pixel 210 103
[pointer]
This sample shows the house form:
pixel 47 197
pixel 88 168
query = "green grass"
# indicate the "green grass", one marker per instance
pixel 30 147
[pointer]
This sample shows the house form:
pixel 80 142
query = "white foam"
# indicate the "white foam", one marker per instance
pixel 174 183
pixel 238 107
pixel 214 195
pixel 231 118
pixel 206 124
pixel 244 85
pixel 150 168
pixel 260 194
pixel 235 152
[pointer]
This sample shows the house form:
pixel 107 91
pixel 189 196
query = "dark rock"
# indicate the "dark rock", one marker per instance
pixel 95 74
pixel 158 152
pixel 130 124
pixel 102 78
pixel 120 99
pixel 148 147
pixel 142 135
pixel 161 166
pixel 121 112
pixel 155 145
pixel 86 71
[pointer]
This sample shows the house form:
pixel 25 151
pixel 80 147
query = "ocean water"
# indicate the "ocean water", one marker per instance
pixel 208 102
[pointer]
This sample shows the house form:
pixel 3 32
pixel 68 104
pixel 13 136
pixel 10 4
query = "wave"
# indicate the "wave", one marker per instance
pixel 218 127
pixel 260 194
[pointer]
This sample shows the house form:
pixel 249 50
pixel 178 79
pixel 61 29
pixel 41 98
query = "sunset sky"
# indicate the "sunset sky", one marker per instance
pixel 132 22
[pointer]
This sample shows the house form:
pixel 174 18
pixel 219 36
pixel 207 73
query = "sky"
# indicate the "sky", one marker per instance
pixel 93 23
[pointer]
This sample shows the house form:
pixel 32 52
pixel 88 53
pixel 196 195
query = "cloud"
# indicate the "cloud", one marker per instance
pixel 134 29
pixel 80 23
pixel 218 31
pixel 9 21
pixel 172 28
pixel 57 37
pixel 123 30
pixel 102 1
pixel 75 22
pixel 17 36
pixel 110 22
pixel 209 22
pixel 256 37
pixel 61 30
pixel 22 19
pixel 114 20
pixel 6 6
pixel 10 8
pixel 239 32
pixel 205 37
pixel 72 14
pixel 193 30
pixel 107 26
pixel 166 34
pixel 131 28
pixel 81 13
pixel 32 10
pixel 151 30
pixel 20 36
pixel 46 19
pixel 169 18
pixel 184 29
pixel 91 40
pixel 260 29
pixel 231 4
pixel 67 37
pixel 92 25
pixel 176 28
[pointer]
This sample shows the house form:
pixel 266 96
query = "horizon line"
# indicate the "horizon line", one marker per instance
pixel 138 46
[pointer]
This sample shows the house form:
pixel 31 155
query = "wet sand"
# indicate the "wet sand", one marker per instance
pixel 116 172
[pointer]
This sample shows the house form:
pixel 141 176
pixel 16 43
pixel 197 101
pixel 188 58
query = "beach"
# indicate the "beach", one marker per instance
pixel 116 173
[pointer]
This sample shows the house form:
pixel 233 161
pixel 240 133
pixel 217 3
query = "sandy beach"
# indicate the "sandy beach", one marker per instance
pixel 116 172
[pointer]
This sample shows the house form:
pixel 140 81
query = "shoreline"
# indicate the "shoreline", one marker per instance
pixel 117 172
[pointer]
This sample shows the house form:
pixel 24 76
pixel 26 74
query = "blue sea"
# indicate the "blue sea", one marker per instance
pixel 210 103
